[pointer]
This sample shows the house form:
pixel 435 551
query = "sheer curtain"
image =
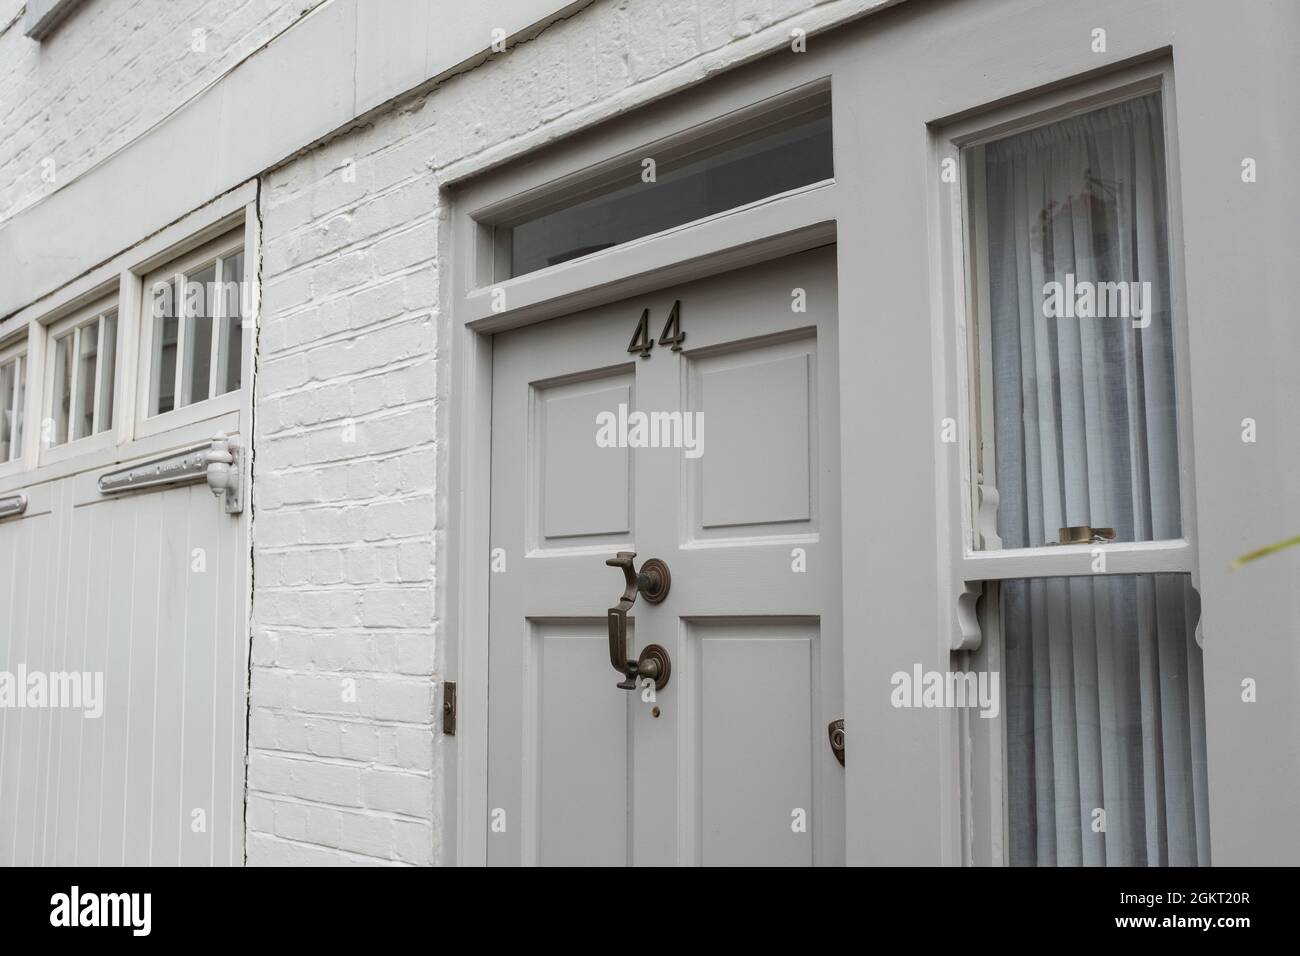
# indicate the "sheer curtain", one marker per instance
pixel 1103 676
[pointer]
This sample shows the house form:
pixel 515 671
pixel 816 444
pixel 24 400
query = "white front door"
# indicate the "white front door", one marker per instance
pixel 731 761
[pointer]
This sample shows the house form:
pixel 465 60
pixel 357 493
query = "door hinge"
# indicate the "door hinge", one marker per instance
pixel 449 708
pixel 225 466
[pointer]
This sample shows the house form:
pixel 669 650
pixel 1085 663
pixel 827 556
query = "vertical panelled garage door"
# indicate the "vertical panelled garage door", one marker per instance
pixel 147 589
pixel 124 580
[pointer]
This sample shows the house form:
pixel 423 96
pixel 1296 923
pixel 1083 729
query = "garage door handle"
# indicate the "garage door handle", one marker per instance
pixel 652 583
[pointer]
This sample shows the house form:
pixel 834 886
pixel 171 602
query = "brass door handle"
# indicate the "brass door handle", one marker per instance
pixel 652 583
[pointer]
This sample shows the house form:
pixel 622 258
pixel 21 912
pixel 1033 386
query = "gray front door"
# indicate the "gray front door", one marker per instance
pixel 729 763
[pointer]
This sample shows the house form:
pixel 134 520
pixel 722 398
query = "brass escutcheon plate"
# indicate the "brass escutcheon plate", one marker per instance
pixel 660 580
pixel 658 654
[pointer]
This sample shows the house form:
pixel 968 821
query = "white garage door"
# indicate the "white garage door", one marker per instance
pixel 123 583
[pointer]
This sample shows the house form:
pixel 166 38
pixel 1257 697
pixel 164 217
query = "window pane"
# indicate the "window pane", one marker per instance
pixel 199 302
pixel 61 395
pixel 232 333
pixel 8 379
pixel 162 396
pixel 108 372
pixel 83 417
pixel 745 170
pixel 1079 337
pixel 1105 714
pixel 20 409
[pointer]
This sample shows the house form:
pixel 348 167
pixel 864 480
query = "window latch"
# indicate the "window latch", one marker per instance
pixel 1084 534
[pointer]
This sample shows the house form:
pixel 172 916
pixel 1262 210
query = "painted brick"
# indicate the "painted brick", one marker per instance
pixel 109 72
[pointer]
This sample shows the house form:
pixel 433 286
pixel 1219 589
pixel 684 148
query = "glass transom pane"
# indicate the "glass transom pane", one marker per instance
pixel 231 333
pixel 1070 223
pixel 11 394
pixel 199 307
pixel 61 395
pixel 83 416
pixel 197 335
pixel 108 372
pixel 745 170
pixel 166 330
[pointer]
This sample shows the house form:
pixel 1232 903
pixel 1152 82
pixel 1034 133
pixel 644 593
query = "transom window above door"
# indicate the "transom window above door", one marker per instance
pixel 81 372
pixel 193 328
pixel 760 152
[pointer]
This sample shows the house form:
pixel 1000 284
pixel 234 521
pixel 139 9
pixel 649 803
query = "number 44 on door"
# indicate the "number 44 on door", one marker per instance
pixel 671 335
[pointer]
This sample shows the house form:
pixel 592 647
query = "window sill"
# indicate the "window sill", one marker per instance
pixel 77 448
pixel 189 414
pixel 1074 560
pixel 113 456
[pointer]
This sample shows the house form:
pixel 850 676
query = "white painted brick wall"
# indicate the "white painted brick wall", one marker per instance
pixel 345 532
pixel 109 72
pixel 346 477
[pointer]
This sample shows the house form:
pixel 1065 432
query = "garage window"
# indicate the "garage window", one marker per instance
pixel 194 329
pixel 82 360
pixel 13 393
pixel 1075 461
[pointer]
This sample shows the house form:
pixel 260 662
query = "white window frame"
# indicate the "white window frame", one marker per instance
pixel 69 324
pixel 216 250
pixel 17 349
pixel 229 215
pixel 977 572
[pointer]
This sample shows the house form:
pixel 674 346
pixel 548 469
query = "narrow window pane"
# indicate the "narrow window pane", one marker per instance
pixel 83 416
pixel 8 383
pixel 108 372
pixel 165 311
pixel 745 170
pixel 232 332
pixel 199 302
pixel 61 395
pixel 20 407
pixel 1071 219
pixel 1105 713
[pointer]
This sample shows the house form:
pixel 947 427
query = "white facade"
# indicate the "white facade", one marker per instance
pixel 352 143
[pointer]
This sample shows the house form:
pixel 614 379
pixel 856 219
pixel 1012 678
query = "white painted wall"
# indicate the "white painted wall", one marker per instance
pixel 108 72
pixel 353 340
pixel 341 61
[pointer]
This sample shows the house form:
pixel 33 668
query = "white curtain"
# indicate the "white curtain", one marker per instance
pixel 1103 676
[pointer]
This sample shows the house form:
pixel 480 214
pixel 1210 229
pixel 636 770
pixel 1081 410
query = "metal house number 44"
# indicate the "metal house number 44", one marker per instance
pixel 671 335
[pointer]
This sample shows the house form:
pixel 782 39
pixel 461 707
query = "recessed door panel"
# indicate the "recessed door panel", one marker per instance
pixel 600 502
pixel 755 742
pixel 580 749
pixel 758 401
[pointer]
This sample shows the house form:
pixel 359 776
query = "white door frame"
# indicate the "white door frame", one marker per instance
pixel 774 227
